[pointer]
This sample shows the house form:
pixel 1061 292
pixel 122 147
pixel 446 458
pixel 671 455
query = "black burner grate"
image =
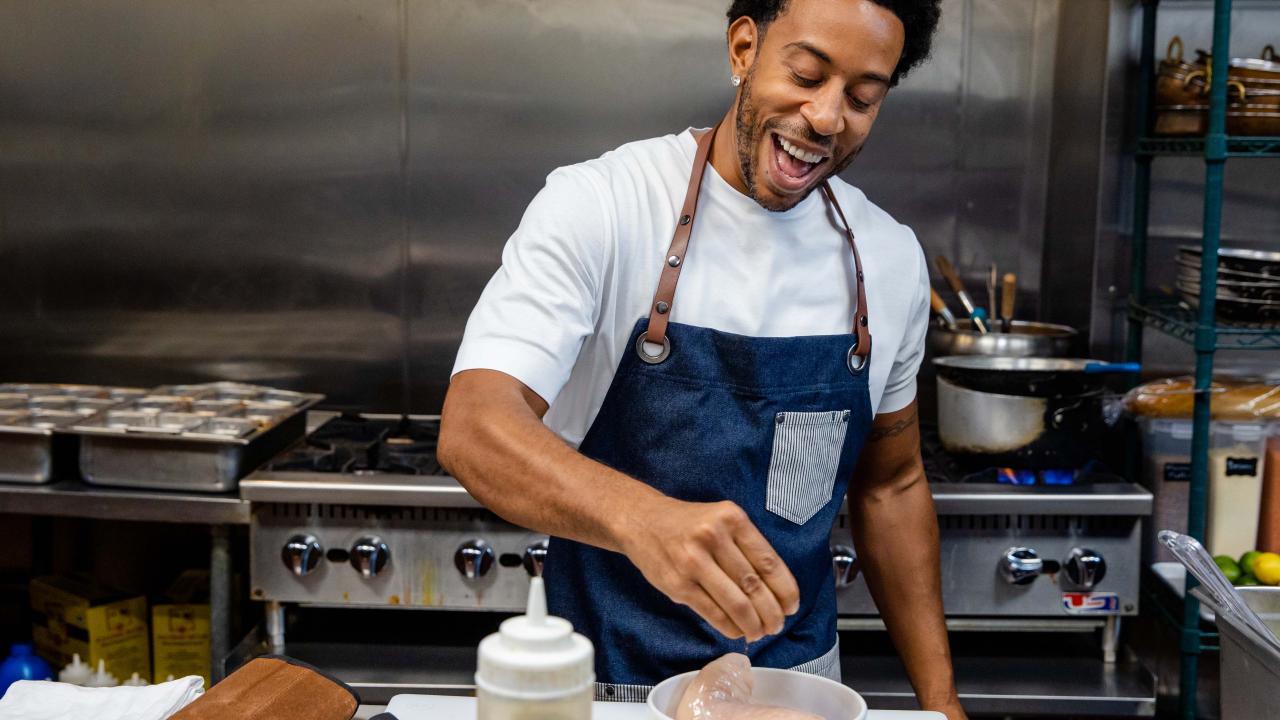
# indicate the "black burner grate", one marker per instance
pixel 359 445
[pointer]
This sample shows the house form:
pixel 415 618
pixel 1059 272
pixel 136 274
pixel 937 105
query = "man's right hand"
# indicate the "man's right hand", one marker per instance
pixel 710 557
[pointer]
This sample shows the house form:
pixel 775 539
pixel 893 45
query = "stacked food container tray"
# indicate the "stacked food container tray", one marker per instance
pixel 181 437
pixel 32 420
pixel 189 437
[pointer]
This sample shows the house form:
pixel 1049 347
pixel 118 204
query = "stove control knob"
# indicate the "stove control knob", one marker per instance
pixel 1020 565
pixel 369 555
pixel 534 556
pixel 1085 568
pixel 474 558
pixel 301 554
pixel 844 560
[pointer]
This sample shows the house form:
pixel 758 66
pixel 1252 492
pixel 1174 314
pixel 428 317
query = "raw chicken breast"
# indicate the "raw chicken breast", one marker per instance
pixel 722 691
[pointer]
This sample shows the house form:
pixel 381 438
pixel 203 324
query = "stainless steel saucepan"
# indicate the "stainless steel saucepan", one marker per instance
pixel 1035 413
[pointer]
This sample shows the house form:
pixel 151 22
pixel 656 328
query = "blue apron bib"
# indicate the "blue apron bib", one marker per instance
pixel 773 424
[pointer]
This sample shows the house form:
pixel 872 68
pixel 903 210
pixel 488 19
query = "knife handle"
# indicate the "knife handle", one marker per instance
pixel 1008 296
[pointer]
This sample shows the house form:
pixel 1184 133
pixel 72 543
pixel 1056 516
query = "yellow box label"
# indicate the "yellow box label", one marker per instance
pixel 180 641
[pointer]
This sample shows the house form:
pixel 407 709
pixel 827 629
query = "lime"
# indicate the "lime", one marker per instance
pixel 1229 568
pixel 1247 560
pixel 1267 569
pixel 1246 580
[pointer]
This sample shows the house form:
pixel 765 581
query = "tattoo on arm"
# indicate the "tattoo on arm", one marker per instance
pixel 897 428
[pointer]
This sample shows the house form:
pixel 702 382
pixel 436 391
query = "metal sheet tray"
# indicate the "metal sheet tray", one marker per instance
pixel 190 437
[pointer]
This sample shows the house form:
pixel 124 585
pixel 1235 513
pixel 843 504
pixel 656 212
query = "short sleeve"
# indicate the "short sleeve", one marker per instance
pixel 541 304
pixel 900 388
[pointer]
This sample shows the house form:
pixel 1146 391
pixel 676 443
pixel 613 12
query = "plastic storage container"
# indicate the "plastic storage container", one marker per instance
pixel 1269 514
pixel 1236 460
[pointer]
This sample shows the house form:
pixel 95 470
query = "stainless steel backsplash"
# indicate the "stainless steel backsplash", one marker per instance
pixel 312 193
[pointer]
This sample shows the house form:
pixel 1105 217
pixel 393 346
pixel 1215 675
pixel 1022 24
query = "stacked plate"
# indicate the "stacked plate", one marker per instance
pixel 1248 283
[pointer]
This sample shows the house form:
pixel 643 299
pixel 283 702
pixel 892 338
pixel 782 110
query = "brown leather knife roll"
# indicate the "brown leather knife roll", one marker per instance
pixel 275 687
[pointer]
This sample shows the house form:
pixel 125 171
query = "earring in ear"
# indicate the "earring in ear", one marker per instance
pixel 736 80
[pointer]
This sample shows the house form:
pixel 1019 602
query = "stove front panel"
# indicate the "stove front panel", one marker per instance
pixel 973 550
pixel 428 552
pixel 422 551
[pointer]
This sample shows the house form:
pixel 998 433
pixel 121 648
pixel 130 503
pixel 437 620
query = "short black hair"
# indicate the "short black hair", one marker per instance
pixel 919 20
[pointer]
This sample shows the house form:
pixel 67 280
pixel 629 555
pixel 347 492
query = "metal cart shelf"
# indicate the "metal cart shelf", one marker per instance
pixel 1171 317
pixel 1241 146
pixel 1199 327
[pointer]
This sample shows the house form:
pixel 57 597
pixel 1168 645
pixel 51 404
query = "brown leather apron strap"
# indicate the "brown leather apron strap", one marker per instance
pixel 660 310
pixel 863 348
pixel 664 296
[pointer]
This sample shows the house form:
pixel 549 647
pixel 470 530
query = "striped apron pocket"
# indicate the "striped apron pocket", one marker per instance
pixel 802 468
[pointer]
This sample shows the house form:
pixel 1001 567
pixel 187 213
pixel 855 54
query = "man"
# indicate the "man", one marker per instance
pixel 688 451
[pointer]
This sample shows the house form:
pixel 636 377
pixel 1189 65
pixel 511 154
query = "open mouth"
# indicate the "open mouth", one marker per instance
pixel 794 165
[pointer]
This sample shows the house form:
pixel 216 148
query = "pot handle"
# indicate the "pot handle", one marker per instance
pixel 1071 418
pixel 1098 368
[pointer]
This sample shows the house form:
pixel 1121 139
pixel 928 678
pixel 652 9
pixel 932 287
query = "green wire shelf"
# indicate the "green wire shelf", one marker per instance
pixel 1237 146
pixel 1173 318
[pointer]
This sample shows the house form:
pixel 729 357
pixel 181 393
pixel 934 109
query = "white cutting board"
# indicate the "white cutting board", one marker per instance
pixel 439 707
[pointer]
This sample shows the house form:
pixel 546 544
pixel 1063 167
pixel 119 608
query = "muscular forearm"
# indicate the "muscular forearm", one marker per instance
pixel 896 535
pixel 707 556
pixel 493 441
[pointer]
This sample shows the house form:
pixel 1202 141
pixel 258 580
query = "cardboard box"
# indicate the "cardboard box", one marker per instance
pixel 180 629
pixel 74 615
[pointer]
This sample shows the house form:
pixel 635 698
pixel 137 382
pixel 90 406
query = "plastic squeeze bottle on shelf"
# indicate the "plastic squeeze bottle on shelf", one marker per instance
pixel 102 678
pixel 535 667
pixel 76 673
pixel 135 681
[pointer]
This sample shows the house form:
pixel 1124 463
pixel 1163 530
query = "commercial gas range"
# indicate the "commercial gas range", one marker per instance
pixel 360 515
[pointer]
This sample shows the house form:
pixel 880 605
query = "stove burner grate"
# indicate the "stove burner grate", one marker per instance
pixel 363 446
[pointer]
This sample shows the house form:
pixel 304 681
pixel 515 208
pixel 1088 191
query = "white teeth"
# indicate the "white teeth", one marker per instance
pixel 798 153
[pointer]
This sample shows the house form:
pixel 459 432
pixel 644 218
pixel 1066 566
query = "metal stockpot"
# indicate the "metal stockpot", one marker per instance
pixel 1025 339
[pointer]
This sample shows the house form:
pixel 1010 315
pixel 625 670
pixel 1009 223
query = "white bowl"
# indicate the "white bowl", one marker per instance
pixel 785 688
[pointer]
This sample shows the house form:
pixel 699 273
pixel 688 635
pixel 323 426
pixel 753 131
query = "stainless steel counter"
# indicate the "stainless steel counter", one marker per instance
pixel 72 498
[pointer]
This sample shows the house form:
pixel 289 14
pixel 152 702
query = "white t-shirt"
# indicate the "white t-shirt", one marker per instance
pixel 585 261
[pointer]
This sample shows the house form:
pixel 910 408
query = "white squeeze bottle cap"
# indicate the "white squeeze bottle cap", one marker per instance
pixel 102 678
pixel 76 673
pixel 535 659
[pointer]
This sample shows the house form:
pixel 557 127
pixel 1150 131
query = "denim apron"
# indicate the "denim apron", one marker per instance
pixel 773 424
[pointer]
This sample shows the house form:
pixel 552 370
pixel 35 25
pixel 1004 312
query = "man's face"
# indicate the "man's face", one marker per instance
pixel 810 97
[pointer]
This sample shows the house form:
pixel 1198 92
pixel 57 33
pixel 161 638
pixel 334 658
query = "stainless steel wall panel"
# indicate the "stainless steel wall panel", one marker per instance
pixel 503 93
pixel 313 193
pixel 199 190
pixel 960 150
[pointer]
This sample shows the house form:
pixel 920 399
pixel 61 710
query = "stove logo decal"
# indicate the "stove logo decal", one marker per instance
pixel 1091 603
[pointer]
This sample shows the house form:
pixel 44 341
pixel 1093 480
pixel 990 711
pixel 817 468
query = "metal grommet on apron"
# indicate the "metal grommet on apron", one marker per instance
pixel 855 361
pixel 772 424
pixel 653 359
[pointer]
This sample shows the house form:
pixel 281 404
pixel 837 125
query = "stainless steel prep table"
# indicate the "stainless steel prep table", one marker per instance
pixel 72 498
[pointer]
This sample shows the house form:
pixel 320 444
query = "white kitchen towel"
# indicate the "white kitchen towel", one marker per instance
pixel 45 700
